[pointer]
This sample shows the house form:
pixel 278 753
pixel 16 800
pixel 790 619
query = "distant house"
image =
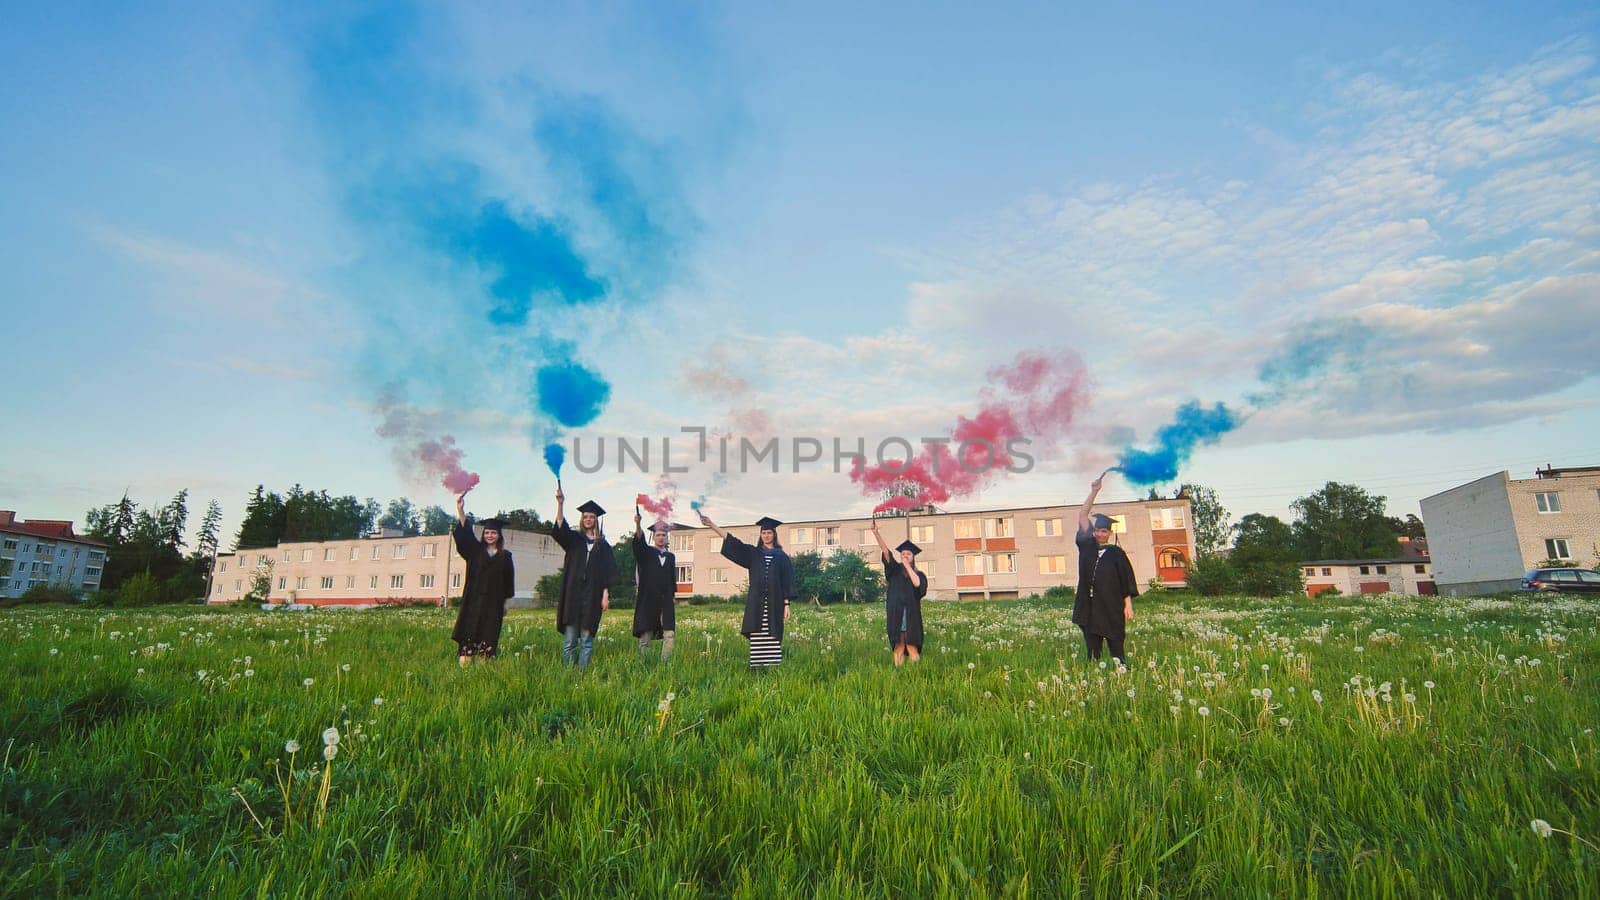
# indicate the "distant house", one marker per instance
pixel 1486 533
pixel 1352 577
pixel 46 551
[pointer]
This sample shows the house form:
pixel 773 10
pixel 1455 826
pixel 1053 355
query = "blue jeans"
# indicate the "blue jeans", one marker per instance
pixel 578 648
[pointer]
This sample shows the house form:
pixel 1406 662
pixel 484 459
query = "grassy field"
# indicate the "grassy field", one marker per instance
pixel 1350 747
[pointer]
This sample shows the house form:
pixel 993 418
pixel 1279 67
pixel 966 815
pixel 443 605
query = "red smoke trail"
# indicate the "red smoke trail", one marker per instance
pixel 1036 397
pixel 443 458
pixel 661 505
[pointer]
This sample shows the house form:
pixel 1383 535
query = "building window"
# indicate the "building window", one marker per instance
pixel 719 576
pixel 969 563
pixel 1326 571
pixel 425 581
pixel 10 544
pixel 238 584
pixel 287 557
pixel 428 551
pixel 927 569
pixel 1548 502
pixel 349 582
pixel 1173 559
pixel 1053 565
pixel 327 554
pixel 96 555
pixel 355 552
pixel 867 539
pixel 1166 518
pixel 399 551
pixel 305 555
pixel 373 582
pixel 397 581
pixel 1047 528
pixel 1003 563
pixel 374 552
pixel 327 582
pixel 800 535
pixel 968 528
pixel 1556 548
pixel 922 534
pixel 828 537
pixel 222 567
pixel 683 543
pixel 1420 569
pixel 301 582
pixel 455 579
pixel 997 527
pixel 283 582
pixel 1383 570
pixel 1366 570
pixel 685 574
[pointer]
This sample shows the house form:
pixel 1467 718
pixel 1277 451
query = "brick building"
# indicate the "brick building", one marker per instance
pixel 1485 534
pixel 46 551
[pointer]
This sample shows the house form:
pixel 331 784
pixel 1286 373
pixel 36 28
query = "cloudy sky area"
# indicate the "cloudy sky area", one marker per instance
pixel 231 233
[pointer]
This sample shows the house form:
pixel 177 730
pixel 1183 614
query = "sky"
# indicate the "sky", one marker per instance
pixel 258 244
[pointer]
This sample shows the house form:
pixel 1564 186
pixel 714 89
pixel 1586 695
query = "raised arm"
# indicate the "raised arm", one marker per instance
pixel 1088 502
pixel 706 521
pixel 561 500
pixel 461 507
pixel 882 544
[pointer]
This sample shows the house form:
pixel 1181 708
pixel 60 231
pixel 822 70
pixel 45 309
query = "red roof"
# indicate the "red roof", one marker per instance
pixel 56 529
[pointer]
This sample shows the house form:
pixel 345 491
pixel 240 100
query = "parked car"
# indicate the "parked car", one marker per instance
pixel 1567 581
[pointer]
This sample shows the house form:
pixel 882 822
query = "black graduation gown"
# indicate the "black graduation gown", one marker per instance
pixel 1105 578
pixel 491 580
pixel 902 598
pixel 656 609
pixel 765 592
pixel 585 576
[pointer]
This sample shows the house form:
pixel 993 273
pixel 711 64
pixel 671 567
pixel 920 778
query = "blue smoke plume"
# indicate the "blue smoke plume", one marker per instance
pixel 1192 425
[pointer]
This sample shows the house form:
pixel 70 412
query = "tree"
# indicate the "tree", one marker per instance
pixel 1342 521
pixel 263 521
pixel 174 519
pixel 850 579
pixel 1262 538
pixel 1209 517
pixel 436 521
pixel 547 590
pixel 205 543
pixel 1409 527
pixel 401 515
pixel 525 520
pixel 1211 575
pixel 809 581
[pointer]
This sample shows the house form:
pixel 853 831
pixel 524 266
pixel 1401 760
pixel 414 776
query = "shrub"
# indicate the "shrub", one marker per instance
pixel 1061 594
pixel 140 590
pixel 547 590
pixel 1211 575
pixel 49 593
pixel 1266 578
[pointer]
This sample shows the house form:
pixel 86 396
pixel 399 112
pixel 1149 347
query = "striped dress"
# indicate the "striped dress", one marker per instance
pixel 765 650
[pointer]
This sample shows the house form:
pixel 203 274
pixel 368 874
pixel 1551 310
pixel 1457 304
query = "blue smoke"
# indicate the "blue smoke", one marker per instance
pixel 555 456
pixel 571 393
pixel 1192 425
pixel 1315 349
pixel 528 263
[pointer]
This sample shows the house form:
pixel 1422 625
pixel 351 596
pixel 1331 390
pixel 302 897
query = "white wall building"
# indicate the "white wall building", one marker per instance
pixel 1354 577
pixel 1485 534
pixel 373 571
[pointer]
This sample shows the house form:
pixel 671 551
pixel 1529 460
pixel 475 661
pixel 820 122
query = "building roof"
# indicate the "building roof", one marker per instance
pixel 54 529
pixel 973 513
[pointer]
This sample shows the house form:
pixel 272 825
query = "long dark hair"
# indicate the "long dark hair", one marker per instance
pixel 776 545
pixel 499 540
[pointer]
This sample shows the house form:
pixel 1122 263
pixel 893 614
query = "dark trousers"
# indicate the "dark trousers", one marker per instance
pixel 1092 641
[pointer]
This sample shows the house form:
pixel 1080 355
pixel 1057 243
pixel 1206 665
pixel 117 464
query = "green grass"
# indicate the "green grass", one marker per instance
pixel 1001 765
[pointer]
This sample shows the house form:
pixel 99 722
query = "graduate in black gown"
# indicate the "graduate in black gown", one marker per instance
pixel 904 587
pixel 766 606
pixel 655 612
pixel 491 580
pixel 1106 586
pixel 587 575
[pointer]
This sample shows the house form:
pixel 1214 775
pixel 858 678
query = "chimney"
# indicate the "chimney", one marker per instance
pixel 8 517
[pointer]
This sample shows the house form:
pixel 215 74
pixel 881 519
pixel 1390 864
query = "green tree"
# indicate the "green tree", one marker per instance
pixel 547 590
pixel 260 582
pixel 850 579
pixel 205 543
pixel 1343 521
pixel 263 521
pixel 810 583
pixel 1409 527
pixel 1259 538
pixel 1211 575
pixel 436 521
pixel 525 520
pixel 1210 519
pixel 401 515
pixel 626 591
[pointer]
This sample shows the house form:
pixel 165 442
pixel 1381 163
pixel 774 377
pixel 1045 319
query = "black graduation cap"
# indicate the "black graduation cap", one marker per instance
pixel 496 524
pixel 907 545
pixel 590 506
pixel 1100 520
pixel 768 522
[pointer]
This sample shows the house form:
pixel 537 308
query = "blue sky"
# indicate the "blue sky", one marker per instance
pixel 228 232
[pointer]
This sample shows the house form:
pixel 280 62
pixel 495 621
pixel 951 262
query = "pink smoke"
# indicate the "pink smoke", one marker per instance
pixel 443 458
pixel 1041 396
pixel 661 504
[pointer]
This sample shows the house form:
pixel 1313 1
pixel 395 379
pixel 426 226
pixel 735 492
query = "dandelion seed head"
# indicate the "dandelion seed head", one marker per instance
pixel 330 751
pixel 309 682
pixel 1541 828
pixel 291 746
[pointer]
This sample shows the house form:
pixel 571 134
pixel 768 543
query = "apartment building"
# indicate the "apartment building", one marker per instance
pixel 1483 535
pixel 373 571
pixel 1352 577
pixel 46 551
pixel 980 555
